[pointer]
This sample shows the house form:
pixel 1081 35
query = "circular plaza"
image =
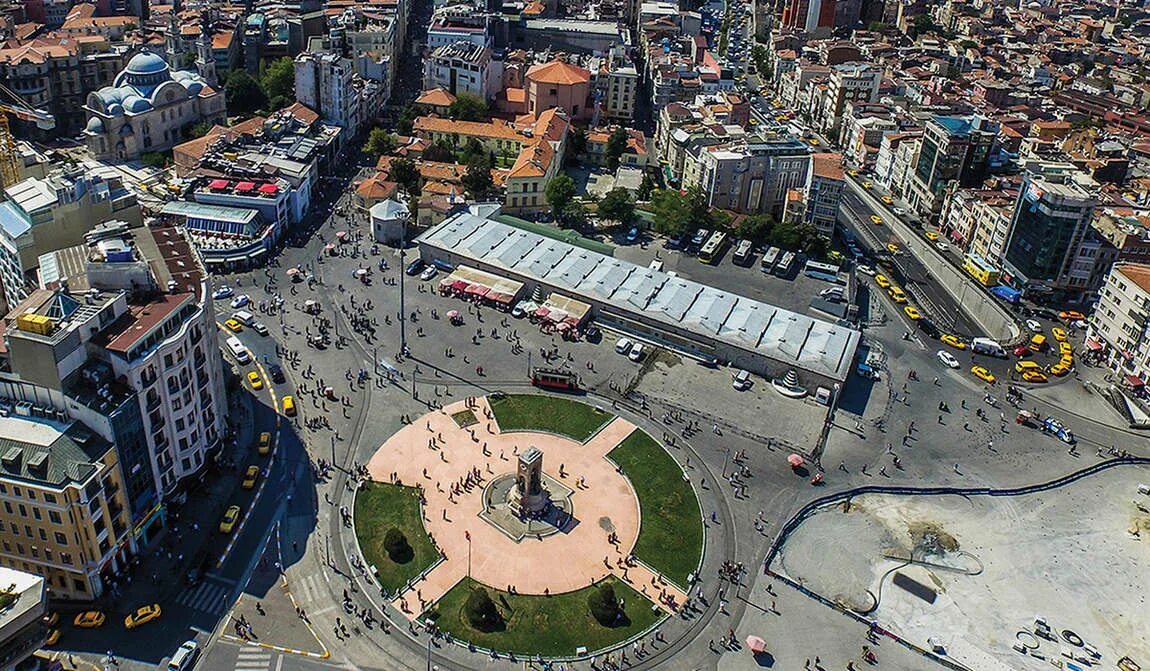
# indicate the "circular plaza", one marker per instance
pixel 510 520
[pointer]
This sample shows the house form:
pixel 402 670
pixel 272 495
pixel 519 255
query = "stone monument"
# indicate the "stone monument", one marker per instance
pixel 528 498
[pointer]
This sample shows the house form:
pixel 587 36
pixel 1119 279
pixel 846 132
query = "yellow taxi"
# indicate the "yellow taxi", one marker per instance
pixel 882 281
pixel 231 516
pixel 982 374
pixel 814 142
pixel 854 173
pixel 1071 315
pixel 143 615
pixel 953 341
pixel 888 200
pixel 265 444
pixel 89 619
pixel 53 637
pixel 234 325
pixel 1034 376
pixel 250 477
pixel 288 405
pixel 931 235
pixel 1059 369
pixel 892 248
pixel 255 380
pixel 866 185
pixel 1025 365
pixel 1067 361
pixel 1058 333
pixel 1065 348
pixel 876 220
pixel 50 619
pixel 897 295
pixel 912 312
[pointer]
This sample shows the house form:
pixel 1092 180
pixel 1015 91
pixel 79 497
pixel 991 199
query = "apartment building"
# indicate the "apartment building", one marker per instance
pixel 616 86
pixel 22 631
pixel 326 83
pixel 41 215
pixel 954 151
pixel 752 175
pixel 462 67
pixel 1120 323
pixel 824 188
pixel 852 83
pixel 885 174
pixel 978 220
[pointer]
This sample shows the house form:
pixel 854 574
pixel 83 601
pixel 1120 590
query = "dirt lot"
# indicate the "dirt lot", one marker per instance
pixel 984 567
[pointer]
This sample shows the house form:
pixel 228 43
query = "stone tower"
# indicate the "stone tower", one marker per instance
pixel 205 59
pixel 529 498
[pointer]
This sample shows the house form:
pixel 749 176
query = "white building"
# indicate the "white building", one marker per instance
pixel 1120 323
pixel 848 82
pixel 462 67
pixel 325 83
pixel 825 183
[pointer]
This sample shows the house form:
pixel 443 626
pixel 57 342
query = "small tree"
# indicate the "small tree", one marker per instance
pixel 278 82
pixel 576 145
pixel 477 180
pixel 616 145
pixel 403 125
pixel 379 142
pixel 243 93
pixel 604 605
pixel 560 192
pixel 616 205
pixel 573 216
pixel 467 107
pixel 481 611
pixel 154 159
pixel 404 172
pixel 646 187
pixel 397 548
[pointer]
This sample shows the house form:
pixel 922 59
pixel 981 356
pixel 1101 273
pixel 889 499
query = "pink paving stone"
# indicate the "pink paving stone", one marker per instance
pixel 558 563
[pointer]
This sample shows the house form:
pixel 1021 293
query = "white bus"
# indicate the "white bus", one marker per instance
pixel 238 350
pixel 828 272
pixel 743 253
pixel 783 269
pixel 714 247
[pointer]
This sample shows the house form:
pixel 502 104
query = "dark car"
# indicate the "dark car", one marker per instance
pixel 927 326
pixel 415 267
pixel 276 372
pixel 677 242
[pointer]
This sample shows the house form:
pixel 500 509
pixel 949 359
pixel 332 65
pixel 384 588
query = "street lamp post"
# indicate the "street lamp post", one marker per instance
pixel 402 303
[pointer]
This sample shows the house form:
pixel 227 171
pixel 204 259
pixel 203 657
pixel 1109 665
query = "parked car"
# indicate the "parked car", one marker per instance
pixel 623 345
pixel 277 373
pixel 223 292
pixel 947 358
pixel 415 267
pixel 637 352
pixel 240 301
pixel 428 273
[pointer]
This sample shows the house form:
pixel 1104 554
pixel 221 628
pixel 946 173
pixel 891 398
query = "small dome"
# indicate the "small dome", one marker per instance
pixel 194 88
pixel 146 63
pixel 115 109
pixel 95 125
pixel 135 104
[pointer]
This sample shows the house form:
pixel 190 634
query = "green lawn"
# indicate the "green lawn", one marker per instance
pixel 671 532
pixel 379 507
pixel 533 412
pixel 546 625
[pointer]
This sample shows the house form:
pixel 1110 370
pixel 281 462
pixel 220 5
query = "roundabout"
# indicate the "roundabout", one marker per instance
pixel 566 502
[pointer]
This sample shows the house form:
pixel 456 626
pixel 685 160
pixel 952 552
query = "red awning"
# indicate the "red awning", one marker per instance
pixel 270 189
pixel 477 290
pixel 245 186
pixel 460 285
pixel 499 297
pixel 1093 345
pixel 542 312
pixel 218 184
pixel 1135 381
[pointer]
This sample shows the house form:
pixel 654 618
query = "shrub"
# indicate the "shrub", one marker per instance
pixel 604 606
pixel 397 547
pixel 481 611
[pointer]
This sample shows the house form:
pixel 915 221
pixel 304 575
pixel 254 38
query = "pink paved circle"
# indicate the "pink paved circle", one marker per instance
pixel 561 562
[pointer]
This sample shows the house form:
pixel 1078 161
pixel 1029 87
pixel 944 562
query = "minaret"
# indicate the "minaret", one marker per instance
pixel 172 39
pixel 205 59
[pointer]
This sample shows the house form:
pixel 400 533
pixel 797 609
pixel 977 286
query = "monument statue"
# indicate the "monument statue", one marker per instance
pixel 528 498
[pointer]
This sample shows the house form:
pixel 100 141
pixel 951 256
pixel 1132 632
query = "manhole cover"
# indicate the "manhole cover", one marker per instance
pixel 606 524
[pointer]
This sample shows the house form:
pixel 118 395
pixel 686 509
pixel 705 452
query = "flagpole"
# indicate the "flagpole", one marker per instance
pixel 468 534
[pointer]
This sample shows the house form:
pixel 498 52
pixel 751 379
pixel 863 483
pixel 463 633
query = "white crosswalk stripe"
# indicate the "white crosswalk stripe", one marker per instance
pixel 251 659
pixel 309 588
pixel 207 596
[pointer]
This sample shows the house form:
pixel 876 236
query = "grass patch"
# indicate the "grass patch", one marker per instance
pixel 544 625
pixel 671 532
pixel 533 412
pixel 379 507
pixel 464 418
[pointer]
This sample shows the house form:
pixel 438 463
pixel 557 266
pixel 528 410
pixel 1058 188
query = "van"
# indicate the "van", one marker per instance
pixel 244 317
pixel 742 380
pixel 184 657
pixel 987 346
pixel 238 350
pixel 1024 365
pixel 623 345
pixel 1038 342
pixel 636 352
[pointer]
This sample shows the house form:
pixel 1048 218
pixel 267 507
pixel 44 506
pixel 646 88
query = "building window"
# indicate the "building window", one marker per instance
pixel 61 539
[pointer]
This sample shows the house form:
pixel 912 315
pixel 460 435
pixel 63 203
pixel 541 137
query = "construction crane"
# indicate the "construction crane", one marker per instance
pixel 12 103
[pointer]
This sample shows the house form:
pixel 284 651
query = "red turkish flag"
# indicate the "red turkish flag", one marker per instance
pixel 467 534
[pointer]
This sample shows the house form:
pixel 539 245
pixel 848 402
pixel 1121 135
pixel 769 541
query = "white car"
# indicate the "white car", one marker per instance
pixel 623 345
pixel 518 312
pixel 428 273
pixel 240 301
pixel 223 292
pixel 259 328
pixel 866 270
pixel 637 352
pixel 947 359
pixel 1034 326
pixel 942 246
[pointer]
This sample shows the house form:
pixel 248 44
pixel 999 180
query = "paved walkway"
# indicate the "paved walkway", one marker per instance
pixel 562 562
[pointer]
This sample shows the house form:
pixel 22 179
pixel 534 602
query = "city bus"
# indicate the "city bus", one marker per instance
pixel 743 253
pixel 769 258
pixel 783 267
pixel 827 272
pixel 713 248
pixel 980 269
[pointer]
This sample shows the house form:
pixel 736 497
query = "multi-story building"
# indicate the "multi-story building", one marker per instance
pixel 978 220
pixel 1120 324
pixel 326 83
pixel 1052 249
pixel 848 83
pixel 824 189
pixel 41 215
pixel 616 87
pixel 955 150
pixel 1128 232
pixel 461 67
pixel 809 15
pixel 560 84
pixel 752 175
pixel 147 109
pixel 884 172
pixel 22 630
